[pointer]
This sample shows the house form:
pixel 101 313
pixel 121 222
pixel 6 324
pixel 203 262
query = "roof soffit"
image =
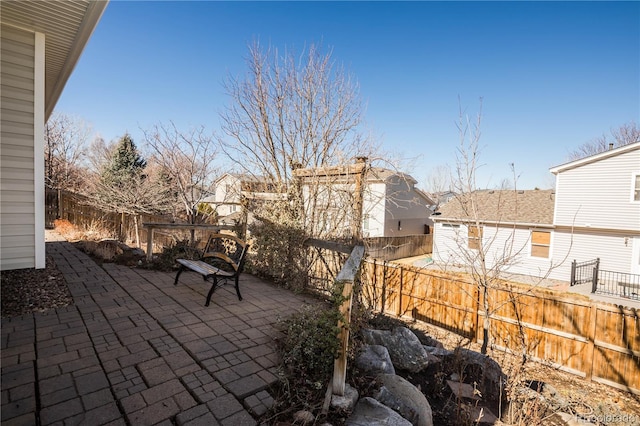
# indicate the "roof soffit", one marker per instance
pixel 67 26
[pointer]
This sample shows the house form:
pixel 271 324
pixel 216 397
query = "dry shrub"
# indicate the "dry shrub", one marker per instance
pixel 94 231
pixel 64 227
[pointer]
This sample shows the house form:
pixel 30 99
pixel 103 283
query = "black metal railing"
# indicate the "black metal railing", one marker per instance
pixel 585 272
pixel 617 284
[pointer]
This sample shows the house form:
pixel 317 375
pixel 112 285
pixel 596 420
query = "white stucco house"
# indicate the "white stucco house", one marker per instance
pixel 391 204
pixel 41 43
pixel 594 212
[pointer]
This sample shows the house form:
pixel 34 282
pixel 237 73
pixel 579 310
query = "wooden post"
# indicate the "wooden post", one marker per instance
pixel 476 314
pixel 399 312
pixel 361 169
pixel 150 244
pixel 346 277
pixel 59 205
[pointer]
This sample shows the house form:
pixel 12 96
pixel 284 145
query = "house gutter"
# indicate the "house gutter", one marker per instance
pixel 493 222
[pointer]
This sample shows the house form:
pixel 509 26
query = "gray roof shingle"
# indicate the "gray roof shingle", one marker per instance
pixel 505 206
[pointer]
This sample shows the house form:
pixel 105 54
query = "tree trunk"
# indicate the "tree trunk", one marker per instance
pixel 487 321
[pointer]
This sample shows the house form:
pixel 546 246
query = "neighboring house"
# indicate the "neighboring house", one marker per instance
pixel 514 228
pixel 232 188
pixel 597 212
pixel 594 212
pixel 227 194
pixel 391 205
pixel 38 55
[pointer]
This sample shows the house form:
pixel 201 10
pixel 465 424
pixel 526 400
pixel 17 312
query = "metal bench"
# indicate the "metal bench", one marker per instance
pixel 629 287
pixel 221 260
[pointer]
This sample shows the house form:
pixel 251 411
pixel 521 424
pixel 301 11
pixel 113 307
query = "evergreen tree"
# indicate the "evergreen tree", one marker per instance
pixel 126 165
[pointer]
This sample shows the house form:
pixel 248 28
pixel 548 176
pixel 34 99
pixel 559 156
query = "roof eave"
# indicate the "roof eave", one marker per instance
pixel 593 158
pixel 90 21
pixel 492 222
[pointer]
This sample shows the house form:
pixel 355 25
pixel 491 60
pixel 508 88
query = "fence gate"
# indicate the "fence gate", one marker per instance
pixel 584 272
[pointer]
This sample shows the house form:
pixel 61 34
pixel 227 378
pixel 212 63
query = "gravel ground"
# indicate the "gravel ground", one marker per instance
pixel 33 290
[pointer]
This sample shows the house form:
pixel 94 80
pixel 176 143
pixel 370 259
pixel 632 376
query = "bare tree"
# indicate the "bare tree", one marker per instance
pixel 288 113
pixel 66 139
pixel 487 243
pixel 624 135
pixel 474 243
pixel 125 185
pixel 99 153
pixel 186 158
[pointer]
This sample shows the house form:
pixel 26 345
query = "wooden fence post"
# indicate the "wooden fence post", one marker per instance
pixel 476 314
pixel 587 358
pixel 346 276
pixel 399 313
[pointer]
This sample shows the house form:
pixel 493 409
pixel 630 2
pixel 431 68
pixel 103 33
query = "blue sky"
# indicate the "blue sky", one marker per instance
pixel 552 75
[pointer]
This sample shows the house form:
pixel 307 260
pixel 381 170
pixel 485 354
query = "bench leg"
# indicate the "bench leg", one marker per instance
pixel 178 275
pixel 238 288
pixel 213 288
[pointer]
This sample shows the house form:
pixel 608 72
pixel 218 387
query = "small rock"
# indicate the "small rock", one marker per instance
pixel 482 416
pixel 431 342
pixel 304 417
pixel 347 401
pixel 463 390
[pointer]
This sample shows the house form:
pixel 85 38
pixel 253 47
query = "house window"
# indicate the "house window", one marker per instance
pixel 365 222
pixel 636 187
pixel 540 243
pixel 475 237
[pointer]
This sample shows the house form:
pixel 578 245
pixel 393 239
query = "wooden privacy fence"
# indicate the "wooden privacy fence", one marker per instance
pixel 597 341
pixel 77 210
pixel 392 248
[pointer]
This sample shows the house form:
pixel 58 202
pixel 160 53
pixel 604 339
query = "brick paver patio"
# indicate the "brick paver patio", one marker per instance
pixel 136 350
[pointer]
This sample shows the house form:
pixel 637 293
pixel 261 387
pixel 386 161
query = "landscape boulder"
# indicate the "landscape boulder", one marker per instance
pixel 374 360
pixel 369 412
pixel 406 399
pixel 405 349
pixel 484 371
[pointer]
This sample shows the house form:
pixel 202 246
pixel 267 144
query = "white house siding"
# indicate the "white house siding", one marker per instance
pixel 17 142
pixel 508 246
pixel 226 195
pixel 614 251
pixel 447 240
pixel 598 195
pixel 512 248
pixel 373 210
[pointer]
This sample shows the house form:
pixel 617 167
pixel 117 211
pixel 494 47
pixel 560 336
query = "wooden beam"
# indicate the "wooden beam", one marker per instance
pixel 151 226
pixel 345 277
pixel 328 245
